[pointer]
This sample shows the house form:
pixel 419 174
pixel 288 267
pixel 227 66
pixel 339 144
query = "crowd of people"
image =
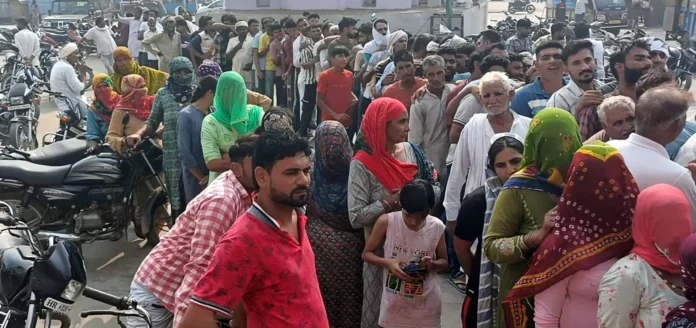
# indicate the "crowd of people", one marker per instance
pixel 323 175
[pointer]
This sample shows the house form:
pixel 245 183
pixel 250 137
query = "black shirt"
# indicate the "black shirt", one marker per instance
pixel 470 227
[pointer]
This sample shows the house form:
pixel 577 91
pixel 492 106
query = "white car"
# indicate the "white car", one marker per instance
pixel 216 5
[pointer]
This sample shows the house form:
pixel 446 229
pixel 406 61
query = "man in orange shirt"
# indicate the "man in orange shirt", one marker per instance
pixel 335 90
pixel 408 83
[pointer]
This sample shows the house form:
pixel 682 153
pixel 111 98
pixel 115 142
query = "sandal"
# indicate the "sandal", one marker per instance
pixel 458 283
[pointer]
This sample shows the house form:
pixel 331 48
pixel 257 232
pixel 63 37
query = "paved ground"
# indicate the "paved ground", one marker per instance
pixel 111 265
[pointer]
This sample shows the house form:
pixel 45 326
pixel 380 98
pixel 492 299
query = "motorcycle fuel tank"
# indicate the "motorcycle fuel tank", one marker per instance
pixel 103 169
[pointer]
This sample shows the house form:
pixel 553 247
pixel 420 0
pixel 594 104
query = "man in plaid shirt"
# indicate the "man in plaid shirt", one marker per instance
pixel 165 280
pixel 520 42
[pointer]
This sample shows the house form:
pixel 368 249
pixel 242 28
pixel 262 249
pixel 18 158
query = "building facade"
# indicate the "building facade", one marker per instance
pixel 314 5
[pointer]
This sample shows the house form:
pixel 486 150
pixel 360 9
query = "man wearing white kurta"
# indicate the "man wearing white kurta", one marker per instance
pixel 101 36
pixel 242 55
pixel 64 80
pixel 27 42
pixel 472 149
pixel 660 117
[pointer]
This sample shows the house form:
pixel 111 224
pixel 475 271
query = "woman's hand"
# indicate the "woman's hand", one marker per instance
pixel 550 220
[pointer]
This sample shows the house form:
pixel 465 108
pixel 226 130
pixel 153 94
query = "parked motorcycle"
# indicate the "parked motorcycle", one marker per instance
pixel 19 112
pixel 521 6
pixel 92 199
pixel 70 123
pixel 44 282
pixel 680 63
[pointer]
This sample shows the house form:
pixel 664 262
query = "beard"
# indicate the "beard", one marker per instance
pixel 496 110
pixel 632 75
pixel 289 200
pixel 586 80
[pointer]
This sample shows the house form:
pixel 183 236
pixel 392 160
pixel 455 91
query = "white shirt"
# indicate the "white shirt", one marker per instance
pixel 649 163
pixel 468 106
pixel 64 80
pixel 207 41
pixel 101 36
pixel 687 153
pixel 133 31
pixel 580 6
pixel 471 157
pixel 568 96
pixel 243 56
pixel 28 44
pixel 148 34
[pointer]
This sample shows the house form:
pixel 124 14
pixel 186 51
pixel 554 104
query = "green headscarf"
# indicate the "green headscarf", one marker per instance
pixel 231 108
pixel 551 142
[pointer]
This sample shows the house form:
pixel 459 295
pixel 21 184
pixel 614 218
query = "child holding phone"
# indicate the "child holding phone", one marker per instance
pixel 414 248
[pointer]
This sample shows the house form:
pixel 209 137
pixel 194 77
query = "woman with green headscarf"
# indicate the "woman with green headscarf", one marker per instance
pixel 233 117
pixel 524 212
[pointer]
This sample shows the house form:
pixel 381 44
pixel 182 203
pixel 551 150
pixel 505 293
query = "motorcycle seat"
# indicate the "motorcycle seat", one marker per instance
pixel 33 174
pixel 60 153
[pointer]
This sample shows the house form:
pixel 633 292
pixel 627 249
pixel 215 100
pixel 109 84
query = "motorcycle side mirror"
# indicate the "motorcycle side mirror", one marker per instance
pixel 126 119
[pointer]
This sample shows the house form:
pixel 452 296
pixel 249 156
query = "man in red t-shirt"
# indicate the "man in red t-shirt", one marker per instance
pixel 335 89
pixel 408 82
pixel 265 260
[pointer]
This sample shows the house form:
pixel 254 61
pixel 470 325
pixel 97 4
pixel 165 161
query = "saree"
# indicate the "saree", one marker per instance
pixel 154 79
pixel 594 220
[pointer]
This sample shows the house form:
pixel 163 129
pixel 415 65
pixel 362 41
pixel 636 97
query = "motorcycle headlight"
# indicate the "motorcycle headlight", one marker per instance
pixel 16 100
pixel 601 17
pixel 73 290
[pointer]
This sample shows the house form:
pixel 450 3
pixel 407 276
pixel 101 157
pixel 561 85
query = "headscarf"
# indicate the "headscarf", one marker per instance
pixel 135 100
pixel 154 79
pixel 551 141
pixel 105 98
pixel 231 108
pixel 182 86
pixel 392 173
pixel 377 39
pixel 687 257
pixel 278 122
pixel 394 37
pixel 593 224
pixel 209 68
pixel 661 223
pixel 329 197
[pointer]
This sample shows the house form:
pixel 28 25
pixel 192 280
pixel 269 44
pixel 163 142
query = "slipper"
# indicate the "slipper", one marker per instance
pixel 458 283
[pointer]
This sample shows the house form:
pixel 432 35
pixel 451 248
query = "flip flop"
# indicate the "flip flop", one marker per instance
pixel 458 283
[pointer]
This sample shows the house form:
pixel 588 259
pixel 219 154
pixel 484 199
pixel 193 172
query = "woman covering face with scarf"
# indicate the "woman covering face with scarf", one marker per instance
pixel 126 65
pixel 685 314
pixel 642 287
pixel 169 101
pixel 99 117
pixel 233 117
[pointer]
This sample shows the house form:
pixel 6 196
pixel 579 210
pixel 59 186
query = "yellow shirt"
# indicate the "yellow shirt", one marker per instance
pixel 265 43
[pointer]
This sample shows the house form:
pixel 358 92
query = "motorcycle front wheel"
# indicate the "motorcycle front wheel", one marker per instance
pixel 530 9
pixel 21 138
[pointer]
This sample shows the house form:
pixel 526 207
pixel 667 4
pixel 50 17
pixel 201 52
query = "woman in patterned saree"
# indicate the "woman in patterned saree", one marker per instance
pixel 523 216
pixel 337 245
pixel 169 101
pixel 592 231
pixel 383 163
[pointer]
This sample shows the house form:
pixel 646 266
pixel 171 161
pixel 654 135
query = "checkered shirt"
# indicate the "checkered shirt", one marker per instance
pixel 175 265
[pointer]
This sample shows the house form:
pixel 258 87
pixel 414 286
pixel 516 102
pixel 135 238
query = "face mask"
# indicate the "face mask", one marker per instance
pixel 102 92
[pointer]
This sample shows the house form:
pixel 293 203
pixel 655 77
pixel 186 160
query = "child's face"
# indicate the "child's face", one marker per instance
pixel 340 61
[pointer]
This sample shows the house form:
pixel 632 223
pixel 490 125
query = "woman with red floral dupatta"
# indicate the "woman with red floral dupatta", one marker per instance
pixel 137 103
pixel 105 100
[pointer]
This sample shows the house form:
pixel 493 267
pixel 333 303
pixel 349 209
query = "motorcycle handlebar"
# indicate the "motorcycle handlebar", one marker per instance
pixel 121 303
pixel 86 314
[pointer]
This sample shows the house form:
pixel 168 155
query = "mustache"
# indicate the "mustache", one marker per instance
pixel 299 189
pixel 587 71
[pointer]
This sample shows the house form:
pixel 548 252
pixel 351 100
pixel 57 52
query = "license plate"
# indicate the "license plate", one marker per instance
pixel 16 107
pixel 616 21
pixel 55 305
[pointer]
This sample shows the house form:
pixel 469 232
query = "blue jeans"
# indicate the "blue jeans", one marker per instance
pixel 454 265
